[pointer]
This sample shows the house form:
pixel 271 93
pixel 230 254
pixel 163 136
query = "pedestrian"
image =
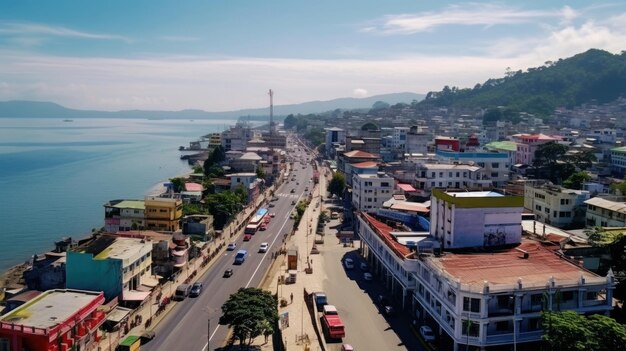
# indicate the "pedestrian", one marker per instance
pixel 291 296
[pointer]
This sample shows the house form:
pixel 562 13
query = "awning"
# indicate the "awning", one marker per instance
pixel 118 314
pixel 406 187
pixel 149 281
pixel 135 295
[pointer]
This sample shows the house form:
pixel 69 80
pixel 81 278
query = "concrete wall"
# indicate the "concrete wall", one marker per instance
pixel 85 273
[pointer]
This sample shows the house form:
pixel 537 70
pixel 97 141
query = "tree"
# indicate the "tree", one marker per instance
pixel 568 330
pixel 547 156
pixel 178 183
pixel 337 184
pixel 250 312
pixel 576 180
pixel 290 121
pixel 260 172
pixel 216 156
pixel 379 105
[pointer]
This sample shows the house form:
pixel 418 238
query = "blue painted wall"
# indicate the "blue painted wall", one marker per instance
pixel 85 273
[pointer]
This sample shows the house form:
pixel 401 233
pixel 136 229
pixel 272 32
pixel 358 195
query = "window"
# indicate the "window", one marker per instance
pixel 471 327
pixel 568 295
pixel 536 299
pixel 502 326
pixel 592 295
pixel 534 323
pixel 5 344
pixel 538 207
pixel 471 304
pixel 495 165
pixel 505 301
pixel 564 201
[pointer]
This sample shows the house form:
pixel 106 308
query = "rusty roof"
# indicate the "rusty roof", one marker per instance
pixel 384 232
pixel 508 265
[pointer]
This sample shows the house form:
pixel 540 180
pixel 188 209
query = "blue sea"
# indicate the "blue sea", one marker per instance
pixel 56 175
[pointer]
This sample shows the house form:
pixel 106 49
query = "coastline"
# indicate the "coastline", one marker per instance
pixel 10 278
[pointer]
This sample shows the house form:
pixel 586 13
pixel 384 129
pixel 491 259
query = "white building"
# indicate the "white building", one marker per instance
pixel 486 298
pixel 417 140
pixel 458 176
pixel 334 137
pixel 124 215
pixel 496 165
pixel 602 212
pixel 475 218
pixel 370 191
pixel 398 138
pixel 555 205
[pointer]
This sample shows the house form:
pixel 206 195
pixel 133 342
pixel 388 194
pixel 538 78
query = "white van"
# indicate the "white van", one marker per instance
pixel 330 309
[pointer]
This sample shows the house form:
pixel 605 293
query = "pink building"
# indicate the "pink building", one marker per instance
pixel 527 144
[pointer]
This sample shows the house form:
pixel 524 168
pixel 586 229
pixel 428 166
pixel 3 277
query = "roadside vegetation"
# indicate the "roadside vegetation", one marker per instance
pixel 250 312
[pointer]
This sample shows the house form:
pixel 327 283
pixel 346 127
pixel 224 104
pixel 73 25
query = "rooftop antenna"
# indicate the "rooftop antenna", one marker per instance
pixel 271 93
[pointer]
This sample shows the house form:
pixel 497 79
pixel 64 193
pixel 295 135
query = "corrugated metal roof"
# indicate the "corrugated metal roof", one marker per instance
pixel 607 204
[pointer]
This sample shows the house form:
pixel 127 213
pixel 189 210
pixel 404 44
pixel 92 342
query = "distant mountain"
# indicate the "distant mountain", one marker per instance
pixel 593 75
pixel 37 109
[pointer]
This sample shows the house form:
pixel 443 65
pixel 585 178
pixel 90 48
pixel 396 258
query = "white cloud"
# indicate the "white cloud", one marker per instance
pixel 359 93
pixel 483 14
pixel 36 29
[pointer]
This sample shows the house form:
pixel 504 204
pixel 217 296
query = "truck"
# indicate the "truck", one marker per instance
pixel 241 256
pixel 333 326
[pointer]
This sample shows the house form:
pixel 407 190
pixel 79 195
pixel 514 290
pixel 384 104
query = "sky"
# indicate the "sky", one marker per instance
pixel 223 55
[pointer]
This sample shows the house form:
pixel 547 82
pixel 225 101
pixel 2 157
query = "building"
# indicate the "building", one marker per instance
pixel 527 144
pixel 555 205
pixel 459 176
pixel 447 143
pixel 249 181
pixel 496 165
pixel 120 215
pixel 505 147
pixel 603 212
pixel 369 145
pixel 475 218
pixel 347 159
pixel 236 138
pixel 370 191
pixel 117 266
pixel 334 137
pixel 55 320
pixel 163 213
pixel 417 141
pixel 398 138
pixel 487 298
pixel 246 162
pixel 618 160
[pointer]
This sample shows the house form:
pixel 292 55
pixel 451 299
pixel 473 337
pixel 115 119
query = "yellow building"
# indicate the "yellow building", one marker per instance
pixel 163 214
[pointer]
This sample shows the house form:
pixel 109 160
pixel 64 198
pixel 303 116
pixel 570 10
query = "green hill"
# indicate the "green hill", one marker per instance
pixel 593 75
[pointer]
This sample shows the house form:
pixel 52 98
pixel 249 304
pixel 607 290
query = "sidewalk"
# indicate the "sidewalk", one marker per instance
pixel 299 333
pixel 148 315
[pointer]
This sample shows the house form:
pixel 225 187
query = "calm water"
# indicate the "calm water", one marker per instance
pixel 55 176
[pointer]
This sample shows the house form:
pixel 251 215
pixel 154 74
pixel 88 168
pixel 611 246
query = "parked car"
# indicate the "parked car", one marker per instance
pixel 264 247
pixel 231 246
pixel 347 347
pixel 228 272
pixel 427 333
pixel 368 276
pixel 349 263
pixel 272 214
pixel 320 299
pixel 293 191
pixel 196 289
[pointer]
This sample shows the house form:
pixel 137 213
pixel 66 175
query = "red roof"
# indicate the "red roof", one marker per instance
pixel 507 266
pixel 406 187
pixel 384 232
pixel 193 187
pixel 540 137
pixel 359 154
pixel 366 164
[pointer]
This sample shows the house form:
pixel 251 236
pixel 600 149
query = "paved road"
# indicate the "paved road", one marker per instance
pixel 186 326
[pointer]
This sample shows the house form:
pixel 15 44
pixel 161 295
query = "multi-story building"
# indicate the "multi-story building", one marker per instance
pixel 163 213
pixel 490 297
pixel 604 212
pixel 505 147
pixel 496 165
pixel 555 205
pixel 417 140
pixel 249 181
pixel 527 144
pixel 475 218
pixel 117 266
pixel 398 139
pixel 334 137
pixel 447 143
pixel 121 215
pixel 345 160
pixel 618 160
pixel 459 176
pixel 370 191
pixel 369 145
pixel 236 138
pixel 55 320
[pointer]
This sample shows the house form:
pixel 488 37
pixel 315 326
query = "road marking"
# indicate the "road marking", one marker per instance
pixel 254 273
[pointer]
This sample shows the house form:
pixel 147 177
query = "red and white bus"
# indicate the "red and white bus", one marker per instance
pixel 256 221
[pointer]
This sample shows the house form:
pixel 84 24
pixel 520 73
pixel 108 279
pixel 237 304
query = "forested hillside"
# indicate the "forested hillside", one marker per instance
pixel 595 74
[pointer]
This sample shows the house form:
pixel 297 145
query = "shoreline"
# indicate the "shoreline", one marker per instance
pixel 10 277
